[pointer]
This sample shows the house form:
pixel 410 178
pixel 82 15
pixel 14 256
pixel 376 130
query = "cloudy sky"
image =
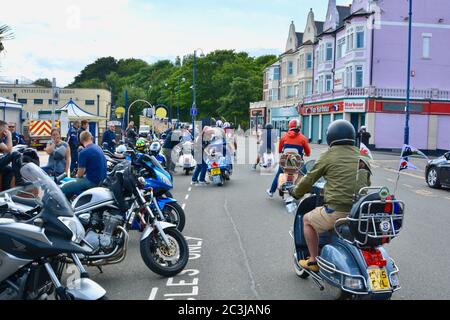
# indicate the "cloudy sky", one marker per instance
pixel 58 38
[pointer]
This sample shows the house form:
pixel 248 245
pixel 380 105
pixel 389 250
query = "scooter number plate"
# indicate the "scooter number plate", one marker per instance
pixel 215 172
pixel 379 280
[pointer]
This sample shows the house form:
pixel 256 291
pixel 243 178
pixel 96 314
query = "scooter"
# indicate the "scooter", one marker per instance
pixel 352 257
pixel 220 168
pixel 291 162
pixel 186 159
pixel 267 162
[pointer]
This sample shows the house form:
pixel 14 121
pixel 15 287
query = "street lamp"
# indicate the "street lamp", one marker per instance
pixel 194 88
pixel 179 92
pixel 408 86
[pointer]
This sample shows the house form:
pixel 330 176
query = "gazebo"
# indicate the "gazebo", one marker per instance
pixel 75 112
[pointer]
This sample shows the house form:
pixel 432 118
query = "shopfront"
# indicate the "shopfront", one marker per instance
pixel 280 118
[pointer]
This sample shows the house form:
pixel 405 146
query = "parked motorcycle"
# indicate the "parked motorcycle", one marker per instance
pixel 34 252
pixel 108 214
pixel 186 159
pixel 352 257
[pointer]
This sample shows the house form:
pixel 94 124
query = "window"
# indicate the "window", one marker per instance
pixel 50 101
pixel 301 92
pixel 297 93
pixel 349 77
pixel 302 62
pixel 38 101
pixel 309 62
pixel 308 87
pixel 321 84
pixel 276 73
pixel 316 86
pixel 359 37
pixel 349 40
pixel 359 79
pixel 340 48
pixel 290 68
pixel 328 83
pixel 426 54
pixel 273 94
pixel 329 55
pixel 90 102
pixel 290 92
pixel 22 101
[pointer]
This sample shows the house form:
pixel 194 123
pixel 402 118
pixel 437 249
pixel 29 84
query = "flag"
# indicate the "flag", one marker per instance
pixel 364 151
pixel 406 165
pixel 408 151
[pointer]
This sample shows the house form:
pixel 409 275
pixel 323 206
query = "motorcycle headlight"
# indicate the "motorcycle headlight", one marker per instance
pixel 74 225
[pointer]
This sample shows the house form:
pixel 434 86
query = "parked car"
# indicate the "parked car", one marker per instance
pixel 144 131
pixel 437 172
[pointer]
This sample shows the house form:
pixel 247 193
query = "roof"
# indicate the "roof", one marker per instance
pixel 9 103
pixel 299 38
pixel 319 26
pixel 344 12
pixel 75 112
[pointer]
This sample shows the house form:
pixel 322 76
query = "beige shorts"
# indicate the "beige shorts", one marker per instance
pixel 322 221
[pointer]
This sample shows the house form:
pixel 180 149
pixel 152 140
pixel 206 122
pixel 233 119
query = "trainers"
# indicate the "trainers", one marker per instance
pixel 308 265
pixel 202 183
pixel 270 194
pixel 194 183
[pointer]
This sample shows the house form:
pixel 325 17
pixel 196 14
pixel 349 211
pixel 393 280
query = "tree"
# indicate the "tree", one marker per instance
pixel 46 83
pixel 5 34
pixel 97 70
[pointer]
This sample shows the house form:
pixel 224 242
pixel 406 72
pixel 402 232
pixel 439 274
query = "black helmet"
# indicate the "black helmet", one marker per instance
pixel 269 126
pixel 30 155
pixel 341 132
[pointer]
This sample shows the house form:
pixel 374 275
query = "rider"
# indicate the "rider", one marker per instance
pixel 339 166
pixel 231 138
pixel 293 139
pixel 268 141
pixel 140 145
pixel 109 137
pixel 91 167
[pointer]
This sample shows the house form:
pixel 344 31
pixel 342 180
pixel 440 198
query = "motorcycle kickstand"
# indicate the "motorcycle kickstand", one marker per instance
pixel 316 278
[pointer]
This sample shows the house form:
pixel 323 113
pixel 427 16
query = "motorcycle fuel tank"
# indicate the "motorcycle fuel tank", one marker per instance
pixel 92 199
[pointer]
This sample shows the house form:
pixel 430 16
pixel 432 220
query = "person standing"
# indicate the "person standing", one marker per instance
pixel 131 134
pixel 59 155
pixel 84 127
pixel 109 137
pixel 364 136
pixel 199 176
pixel 173 138
pixel 73 141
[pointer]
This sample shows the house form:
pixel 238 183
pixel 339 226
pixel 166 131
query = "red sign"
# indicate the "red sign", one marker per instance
pixel 324 108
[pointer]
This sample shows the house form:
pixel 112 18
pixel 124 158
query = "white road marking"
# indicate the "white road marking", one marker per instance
pixel 405 173
pixel 425 193
pixel 448 198
pixel 408 186
pixel 183 206
pixel 153 294
pixel 190 189
pixel 187 197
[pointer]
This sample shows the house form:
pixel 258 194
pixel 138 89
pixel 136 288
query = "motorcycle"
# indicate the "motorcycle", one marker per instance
pixel 107 215
pixel 352 256
pixel 35 252
pixel 220 167
pixel 186 159
pixel 291 162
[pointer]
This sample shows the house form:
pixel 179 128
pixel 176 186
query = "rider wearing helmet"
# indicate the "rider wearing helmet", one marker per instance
pixel 121 149
pixel 219 124
pixel 293 139
pixel 339 166
pixel 140 145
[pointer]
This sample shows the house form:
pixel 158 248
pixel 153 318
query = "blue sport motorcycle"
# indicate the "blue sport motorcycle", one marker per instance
pixel 352 257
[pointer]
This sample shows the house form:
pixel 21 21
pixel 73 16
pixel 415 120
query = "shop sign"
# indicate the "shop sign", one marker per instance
pixel 321 109
pixel 355 105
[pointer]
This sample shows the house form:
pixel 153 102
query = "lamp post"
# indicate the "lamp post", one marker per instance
pixel 179 98
pixel 408 86
pixel 194 88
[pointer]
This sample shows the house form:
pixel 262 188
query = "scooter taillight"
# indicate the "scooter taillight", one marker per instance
pixel 215 165
pixel 374 258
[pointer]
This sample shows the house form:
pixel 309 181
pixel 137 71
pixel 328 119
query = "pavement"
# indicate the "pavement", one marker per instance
pixel 240 247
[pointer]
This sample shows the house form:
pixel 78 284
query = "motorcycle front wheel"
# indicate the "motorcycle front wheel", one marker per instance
pixel 167 262
pixel 174 214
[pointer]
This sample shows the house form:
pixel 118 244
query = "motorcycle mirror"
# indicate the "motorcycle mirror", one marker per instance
pixel 308 167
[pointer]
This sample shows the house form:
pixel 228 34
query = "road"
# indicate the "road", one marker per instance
pixel 241 248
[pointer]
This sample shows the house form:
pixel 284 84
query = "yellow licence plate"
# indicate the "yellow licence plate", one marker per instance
pixel 379 280
pixel 215 172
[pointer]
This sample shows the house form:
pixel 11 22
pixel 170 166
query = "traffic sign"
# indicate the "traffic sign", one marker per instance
pixel 194 112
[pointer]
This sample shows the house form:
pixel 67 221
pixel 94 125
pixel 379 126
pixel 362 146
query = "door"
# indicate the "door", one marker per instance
pixel 326 120
pixel 315 129
pixel 305 126
pixel 354 119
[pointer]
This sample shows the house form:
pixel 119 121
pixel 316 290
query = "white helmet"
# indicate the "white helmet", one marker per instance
pixel 121 149
pixel 155 147
pixel 226 125
pixel 219 124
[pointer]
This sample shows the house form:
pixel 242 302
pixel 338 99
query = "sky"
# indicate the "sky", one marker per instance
pixel 57 39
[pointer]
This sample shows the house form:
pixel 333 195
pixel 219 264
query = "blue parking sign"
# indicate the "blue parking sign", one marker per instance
pixel 194 112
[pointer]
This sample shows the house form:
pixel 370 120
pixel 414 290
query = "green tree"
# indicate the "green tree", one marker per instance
pixel 43 83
